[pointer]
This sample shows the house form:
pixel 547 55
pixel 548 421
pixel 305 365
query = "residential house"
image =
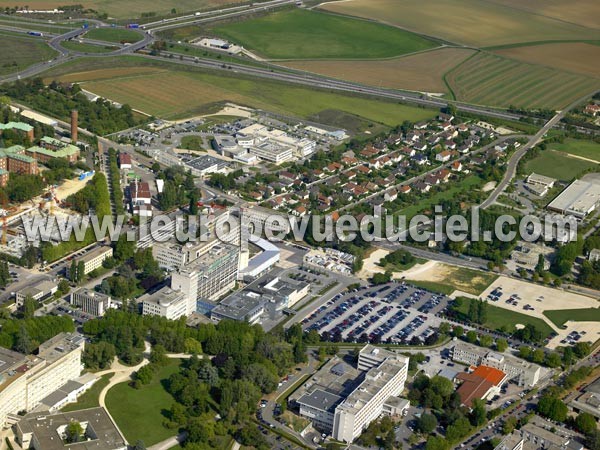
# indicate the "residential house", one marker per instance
pixel 404 189
pixel 390 195
pixel 457 166
pixel 443 156
pixel 421 186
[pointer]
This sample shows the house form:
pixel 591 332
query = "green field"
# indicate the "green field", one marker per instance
pixel 579 147
pixel 488 79
pixel 470 183
pixel 90 398
pixel 557 165
pixel 87 48
pixel 117 35
pixel 559 317
pixel 303 34
pixel 139 413
pixel 497 318
pixel 17 53
pixel 169 91
pixel 37 26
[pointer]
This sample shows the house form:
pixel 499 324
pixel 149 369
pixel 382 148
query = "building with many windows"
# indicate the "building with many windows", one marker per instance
pixel 522 372
pixel 343 400
pixel 93 259
pixel 91 302
pixel 26 380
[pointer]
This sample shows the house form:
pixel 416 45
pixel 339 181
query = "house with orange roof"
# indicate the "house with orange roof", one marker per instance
pixel 483 383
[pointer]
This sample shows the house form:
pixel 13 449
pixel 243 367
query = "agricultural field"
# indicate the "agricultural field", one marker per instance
pixel 304 34
pixel 575 57
pixel 488 79
pixel 17 53
pixel 123 9
pixel 581 12
pixel 113 35
pixel 173 93
pixel 36 26
pixel 471 22
pixel 578 147
pixel 557 165
pixel 421 72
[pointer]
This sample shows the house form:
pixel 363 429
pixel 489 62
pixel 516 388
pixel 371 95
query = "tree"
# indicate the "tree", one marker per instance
pixel 23 343
pixel 63 287
pixel 586 423
pixel 436 443
pixel 509 425
pixel 486 341
pixel 553 408
pixel 478 414
pixel 29 307
pixel 472 336
pixel 158 355
pixel 139 445
pixel 144 374
pixel 73 432
pixel 458 331
pixel 501 344
pixel 123 249
pixel 80 271
pixel 73 271
pixel 427 423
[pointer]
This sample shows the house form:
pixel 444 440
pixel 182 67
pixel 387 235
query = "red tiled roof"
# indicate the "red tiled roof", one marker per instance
pixel 494 376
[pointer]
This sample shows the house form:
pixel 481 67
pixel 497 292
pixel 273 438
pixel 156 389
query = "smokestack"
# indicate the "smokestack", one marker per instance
pixel 74 120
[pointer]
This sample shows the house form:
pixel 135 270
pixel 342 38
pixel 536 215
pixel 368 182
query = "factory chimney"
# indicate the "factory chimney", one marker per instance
pixel 74 120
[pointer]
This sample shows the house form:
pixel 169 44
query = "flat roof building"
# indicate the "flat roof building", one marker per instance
pixel 579 199
pixel 43 431
pixel 38 291
pixel 91 302
pixel 165 302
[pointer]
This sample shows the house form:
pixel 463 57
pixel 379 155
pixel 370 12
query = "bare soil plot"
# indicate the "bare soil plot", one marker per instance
pixel 573 57
pixel 420 72
pixel 472 22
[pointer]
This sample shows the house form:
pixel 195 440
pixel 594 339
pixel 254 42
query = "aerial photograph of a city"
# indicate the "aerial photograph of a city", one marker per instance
pixel 299 224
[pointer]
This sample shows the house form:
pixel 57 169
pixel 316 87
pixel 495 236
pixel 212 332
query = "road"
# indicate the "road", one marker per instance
pixel 513 163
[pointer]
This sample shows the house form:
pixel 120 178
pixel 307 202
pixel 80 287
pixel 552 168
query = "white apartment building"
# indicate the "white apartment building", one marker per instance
pixel 522 372
pixel 26 380
pixel 93 259
pixel 91 302
pixel 366 402
pixel 165 302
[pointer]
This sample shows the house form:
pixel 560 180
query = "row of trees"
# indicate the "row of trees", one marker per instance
pixel 26 334
pixel 115 178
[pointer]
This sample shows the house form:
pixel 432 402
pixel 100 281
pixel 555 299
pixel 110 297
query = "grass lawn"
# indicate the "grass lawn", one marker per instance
pixel 165 91
pixel 560 316
pixel 139 413
pixel 579 147
pixel 17 53
pixel 469 183
pixel 90 398
pixel 87 48
pixel 557 165
pixel 302 34
pixel 191 143
pixel 498 318
pixel 113 35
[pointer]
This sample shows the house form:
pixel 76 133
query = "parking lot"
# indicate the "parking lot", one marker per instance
pixel 393 313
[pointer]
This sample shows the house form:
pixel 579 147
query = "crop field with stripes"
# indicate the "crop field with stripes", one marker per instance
pixel 493 80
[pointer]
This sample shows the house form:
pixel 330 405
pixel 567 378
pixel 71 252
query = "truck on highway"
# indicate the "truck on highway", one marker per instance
pixel 34 33
pixel 133 25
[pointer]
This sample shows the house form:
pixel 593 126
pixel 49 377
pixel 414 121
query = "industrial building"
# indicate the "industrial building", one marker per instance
pixel 343 400
pixel 43 431
pixel 262 262
pixel 269 292
pixel 205 165
pixel 26 380
pixel 51 148
pixel 539 184
pixel 579 199
pixel 521 372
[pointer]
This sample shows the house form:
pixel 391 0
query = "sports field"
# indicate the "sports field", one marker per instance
pixel 113 35
pixel 122 9
pixel 17 53
pixel 557 165
pixel 304 34
pixel 488 79
pixel 471 22
pixel 172 93
pixel 421 72
pixel 573 57
pixel 579 147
